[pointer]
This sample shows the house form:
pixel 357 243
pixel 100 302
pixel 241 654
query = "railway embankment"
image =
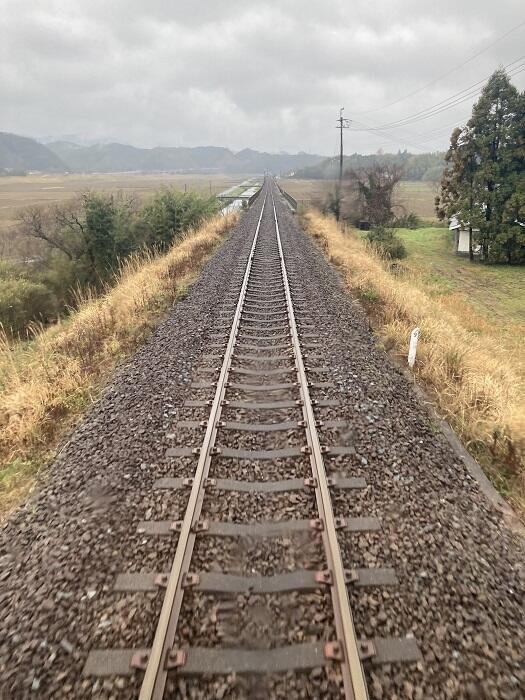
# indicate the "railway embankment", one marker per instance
pixel 406 505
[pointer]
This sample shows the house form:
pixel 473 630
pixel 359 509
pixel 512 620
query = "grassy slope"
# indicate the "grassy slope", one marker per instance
pixel 46 384
pixel 471 352
pixel 496 291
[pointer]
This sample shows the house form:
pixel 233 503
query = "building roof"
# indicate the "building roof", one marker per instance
pixel 455 223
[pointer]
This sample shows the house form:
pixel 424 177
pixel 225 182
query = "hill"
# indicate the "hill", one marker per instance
pixel 117 157
pixel 19 153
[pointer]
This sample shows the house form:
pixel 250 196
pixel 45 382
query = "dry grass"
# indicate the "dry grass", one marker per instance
pixel 408 196
pixel 308 192
pixel 46 383
pixel 477 385
pixel 417 197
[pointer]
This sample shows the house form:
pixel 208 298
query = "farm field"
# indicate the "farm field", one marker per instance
pixel 411 196
pixel 307 191
pixel 19 192
pixel 417 197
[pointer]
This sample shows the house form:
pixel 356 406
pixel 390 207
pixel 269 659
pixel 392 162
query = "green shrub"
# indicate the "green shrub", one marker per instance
pixel 386 243
pixel 23 301
pixel 170 213
pixel 82 243
pixel 410 220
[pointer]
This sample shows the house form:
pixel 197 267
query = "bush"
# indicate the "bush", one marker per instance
pixel 170 213
pixel 82 243
pixel 22 301
pixel 387 244
pixel 409 220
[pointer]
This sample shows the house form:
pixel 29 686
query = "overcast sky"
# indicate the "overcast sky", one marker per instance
pixel 266 75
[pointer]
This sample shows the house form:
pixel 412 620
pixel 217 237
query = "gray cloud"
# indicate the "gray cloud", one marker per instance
pixel 270 75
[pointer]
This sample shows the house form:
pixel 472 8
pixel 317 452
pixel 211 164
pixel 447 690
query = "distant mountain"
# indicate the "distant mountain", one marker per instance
pixel 20 153
pixel 119 157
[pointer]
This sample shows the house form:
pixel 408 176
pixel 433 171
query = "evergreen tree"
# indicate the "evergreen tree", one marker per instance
pixel 456 197
pixel 493 134
pixel 484 181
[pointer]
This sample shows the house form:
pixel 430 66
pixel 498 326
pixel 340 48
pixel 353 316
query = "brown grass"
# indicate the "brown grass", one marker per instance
pixel 47 383
pixel 478 388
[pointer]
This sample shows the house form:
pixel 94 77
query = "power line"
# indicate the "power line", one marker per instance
pixel 452 101
pixel 428 136
pixel 436 133
pixel 400 140
pixel 444 75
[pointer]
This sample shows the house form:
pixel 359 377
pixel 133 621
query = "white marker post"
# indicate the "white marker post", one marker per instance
pixel 413 347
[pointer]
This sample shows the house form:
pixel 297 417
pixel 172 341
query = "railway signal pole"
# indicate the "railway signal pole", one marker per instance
pixel 342 124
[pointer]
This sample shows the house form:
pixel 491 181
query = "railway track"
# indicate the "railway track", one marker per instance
pixel 258 587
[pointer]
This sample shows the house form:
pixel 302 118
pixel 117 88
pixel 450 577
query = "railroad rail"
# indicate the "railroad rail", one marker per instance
pixel 265 441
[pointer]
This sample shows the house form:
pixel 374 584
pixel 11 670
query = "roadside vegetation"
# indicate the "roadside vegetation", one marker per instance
pixel 475 371
pixel 495 292
pixel 47 381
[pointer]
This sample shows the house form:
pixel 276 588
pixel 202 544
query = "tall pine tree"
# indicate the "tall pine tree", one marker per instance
pixel 457 186
pixel 484 181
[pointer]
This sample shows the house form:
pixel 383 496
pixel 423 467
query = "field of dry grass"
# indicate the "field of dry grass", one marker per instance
pixel 417 197
pixel 307 191
pixel 17 193
pixel 45 384
pixel 409 196
pixel 475 372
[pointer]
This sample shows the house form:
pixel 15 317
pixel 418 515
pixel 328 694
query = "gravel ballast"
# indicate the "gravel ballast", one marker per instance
pixel 460 569
pixel 460 590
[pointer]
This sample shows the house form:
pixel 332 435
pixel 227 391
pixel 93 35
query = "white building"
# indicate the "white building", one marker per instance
pixel 461 237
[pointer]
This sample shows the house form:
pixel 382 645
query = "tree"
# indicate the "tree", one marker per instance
pixel 170 213
pixel 36 222
pixel 375 187
pixel 93 232
pixel 456 196
pixel 81 243
pixel 484 179
pixel 493 132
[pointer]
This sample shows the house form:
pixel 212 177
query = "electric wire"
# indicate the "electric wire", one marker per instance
pixel 448 103
pixel 444 75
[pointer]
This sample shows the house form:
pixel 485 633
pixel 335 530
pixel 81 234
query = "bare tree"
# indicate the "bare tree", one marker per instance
pixel 374 188
pixel 43 225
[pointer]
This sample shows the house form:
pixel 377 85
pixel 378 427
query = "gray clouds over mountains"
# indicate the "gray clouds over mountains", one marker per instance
pixel 269 75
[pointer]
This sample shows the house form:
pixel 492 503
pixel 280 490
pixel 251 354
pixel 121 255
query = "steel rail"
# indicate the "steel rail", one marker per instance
pixel 353 673
pixel 155 676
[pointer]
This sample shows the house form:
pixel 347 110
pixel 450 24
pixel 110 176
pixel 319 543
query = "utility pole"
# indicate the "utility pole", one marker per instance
pixel 343 124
